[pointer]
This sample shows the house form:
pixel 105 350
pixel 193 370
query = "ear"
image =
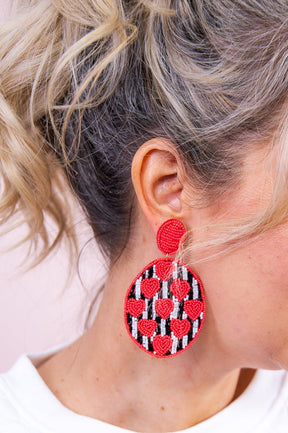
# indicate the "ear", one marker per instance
pixel 157 174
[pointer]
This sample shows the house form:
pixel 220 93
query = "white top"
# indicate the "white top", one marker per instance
pixel 28 406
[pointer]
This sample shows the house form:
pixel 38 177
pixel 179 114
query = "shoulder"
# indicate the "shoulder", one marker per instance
pixel 25 400
pixel 11 419
pixel 26 405
pixel 264 405
pixel 13 416
pixel 275 392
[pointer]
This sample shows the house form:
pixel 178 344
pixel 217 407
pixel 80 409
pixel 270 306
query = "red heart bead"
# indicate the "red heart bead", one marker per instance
pixel 164 307
pixel 180 289
pixel 193 309
pixel 162 344
pixel 135 307
pixel 147 327
pixel 149 287
pixel 164 269
pixel 180 327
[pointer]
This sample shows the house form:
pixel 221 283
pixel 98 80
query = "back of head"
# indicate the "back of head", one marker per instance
pixel 83 85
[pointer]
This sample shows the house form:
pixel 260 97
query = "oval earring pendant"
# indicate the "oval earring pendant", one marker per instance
pixel 165 305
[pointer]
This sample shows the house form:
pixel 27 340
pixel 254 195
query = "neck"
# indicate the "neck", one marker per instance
pixel 111 379
pixel 176 393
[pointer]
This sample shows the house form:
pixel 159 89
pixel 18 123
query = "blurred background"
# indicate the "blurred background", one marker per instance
pixel 49 304
pixel 43 308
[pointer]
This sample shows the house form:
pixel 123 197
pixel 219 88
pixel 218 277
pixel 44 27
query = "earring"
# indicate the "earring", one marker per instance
pixel 165 304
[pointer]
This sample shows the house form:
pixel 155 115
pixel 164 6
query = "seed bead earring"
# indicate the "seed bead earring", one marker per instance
pixel 165 305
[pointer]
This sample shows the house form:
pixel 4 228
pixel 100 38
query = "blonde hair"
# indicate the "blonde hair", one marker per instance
pixel 82 85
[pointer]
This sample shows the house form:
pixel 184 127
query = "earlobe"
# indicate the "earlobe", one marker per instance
pixel 156 171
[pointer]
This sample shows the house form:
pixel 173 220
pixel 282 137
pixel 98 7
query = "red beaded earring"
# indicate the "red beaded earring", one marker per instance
pixel 165 305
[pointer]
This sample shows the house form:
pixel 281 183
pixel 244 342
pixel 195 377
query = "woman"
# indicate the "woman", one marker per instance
pixel 156 111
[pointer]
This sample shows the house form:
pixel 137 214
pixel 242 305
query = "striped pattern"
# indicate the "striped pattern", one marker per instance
pixel 182 273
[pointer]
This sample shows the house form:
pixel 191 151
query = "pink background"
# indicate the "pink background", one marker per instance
pixel 38 309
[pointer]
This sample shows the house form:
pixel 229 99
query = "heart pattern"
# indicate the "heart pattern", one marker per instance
pixel 180 289
pixel 164 307
pixel 180 327
pixel 135 307
pixel 162 344
pixel 147 327
pixel 193 308
pixel 164 269
pixel 149 287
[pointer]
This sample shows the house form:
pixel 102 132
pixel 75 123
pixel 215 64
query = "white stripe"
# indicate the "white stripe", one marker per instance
pixel 145 312
pixel 174 313
pixel 134 327
pixel 195 289
pixel 185 338
pixel 184 341
pixel 137 288
pixel 184 273
pixel 145 342
pixel 184 316
pixel 163 327
pixel 175 271
pixel 174 344
pixel 195 329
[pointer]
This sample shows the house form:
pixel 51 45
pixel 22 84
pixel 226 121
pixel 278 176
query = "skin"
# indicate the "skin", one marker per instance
pixel 105 376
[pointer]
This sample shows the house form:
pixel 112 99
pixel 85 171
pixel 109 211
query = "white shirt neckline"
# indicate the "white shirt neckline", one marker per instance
pixel 40 406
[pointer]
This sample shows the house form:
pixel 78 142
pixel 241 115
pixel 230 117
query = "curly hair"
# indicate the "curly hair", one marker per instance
pixel 84 84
